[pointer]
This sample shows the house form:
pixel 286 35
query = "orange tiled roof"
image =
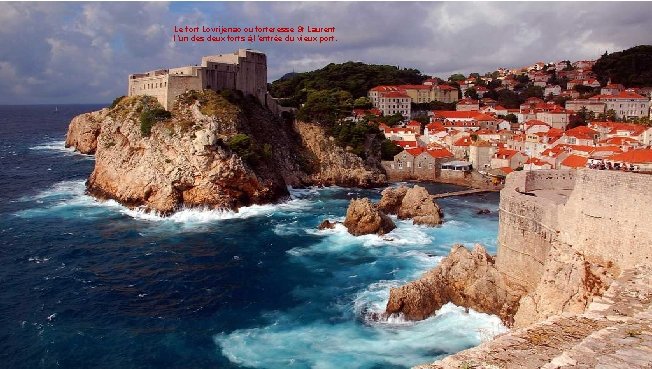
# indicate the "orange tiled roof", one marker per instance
pixel 464 141
pixel 581 132
pixel 575 161
pixel 638 156
pixel 439 152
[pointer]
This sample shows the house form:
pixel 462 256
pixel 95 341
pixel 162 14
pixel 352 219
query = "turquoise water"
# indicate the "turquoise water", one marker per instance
pixel 93 284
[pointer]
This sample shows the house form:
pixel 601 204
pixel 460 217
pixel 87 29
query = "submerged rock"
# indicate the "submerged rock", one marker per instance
pixel 465 278
pixel 483 211
pixel 326 224
pixel 363 217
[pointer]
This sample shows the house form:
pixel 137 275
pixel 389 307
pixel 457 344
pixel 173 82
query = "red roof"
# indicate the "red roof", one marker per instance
pixel 394 94
pixel 581 132
pixel 414 123
pixel 464 141
pixel 435 126
pixel 575 161
pixel 439 152
pixel 614 127
pixel 621 95
pixel 534 122
pixel 639 156
pixel 505 153
pixel 446 87
pixel 619 141
pixel 507 170
pixel 415 151
pixel 468 101
pixel 536 161
pixel 405 144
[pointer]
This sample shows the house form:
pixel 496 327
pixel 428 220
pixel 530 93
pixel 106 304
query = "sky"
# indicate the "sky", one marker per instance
pixel 75 52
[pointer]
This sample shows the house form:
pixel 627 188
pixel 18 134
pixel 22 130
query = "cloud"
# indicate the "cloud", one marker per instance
pixel 82 52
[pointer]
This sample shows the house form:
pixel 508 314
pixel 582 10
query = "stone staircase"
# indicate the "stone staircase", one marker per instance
pixel 614 332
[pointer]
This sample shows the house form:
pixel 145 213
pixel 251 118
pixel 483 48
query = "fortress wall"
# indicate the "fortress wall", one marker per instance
pixel 563 179
pixel 252 74
pixel 155 86
pixel 605 217
pixel 220 76
pixel 527 228
pixel 180 84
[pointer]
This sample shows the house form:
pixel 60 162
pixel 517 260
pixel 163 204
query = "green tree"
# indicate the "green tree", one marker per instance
pixel 389 149
pixel 457 77
pixel 393 120
pixel 631 67
pixel 326 106
pixel 149 117
pixel 532 91
pixel 471 93
pixel 512 118
pixel 362 102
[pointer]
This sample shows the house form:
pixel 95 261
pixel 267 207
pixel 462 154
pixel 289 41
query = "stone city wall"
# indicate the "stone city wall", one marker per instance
pixel 602 217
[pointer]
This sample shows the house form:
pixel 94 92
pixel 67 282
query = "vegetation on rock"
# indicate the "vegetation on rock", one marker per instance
pixel 149 117
pixel 631 67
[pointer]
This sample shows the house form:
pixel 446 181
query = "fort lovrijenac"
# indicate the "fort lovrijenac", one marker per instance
pixel 244 70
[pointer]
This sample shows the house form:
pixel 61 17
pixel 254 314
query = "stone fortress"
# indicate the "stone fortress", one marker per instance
pixel 578 247
pixel 244 70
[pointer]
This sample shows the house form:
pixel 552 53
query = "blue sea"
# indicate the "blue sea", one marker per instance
pixel 90 284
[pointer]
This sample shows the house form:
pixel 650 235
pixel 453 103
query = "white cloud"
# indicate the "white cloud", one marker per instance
pixel 82 52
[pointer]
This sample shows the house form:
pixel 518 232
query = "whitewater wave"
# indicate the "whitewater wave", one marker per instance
pixel 320 344
pixel 69 198
pixel 60 147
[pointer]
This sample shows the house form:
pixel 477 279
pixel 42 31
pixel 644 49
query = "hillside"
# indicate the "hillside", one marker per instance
pixel 355 78
pixel 631 67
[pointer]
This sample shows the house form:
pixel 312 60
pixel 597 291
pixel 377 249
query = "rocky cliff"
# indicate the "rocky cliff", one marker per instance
pixel 212 151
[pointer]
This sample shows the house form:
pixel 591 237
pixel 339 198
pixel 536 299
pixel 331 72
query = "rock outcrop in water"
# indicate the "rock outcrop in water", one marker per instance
pixel 465 278
pixel 211 153
pixel 411 203
pixel 363 217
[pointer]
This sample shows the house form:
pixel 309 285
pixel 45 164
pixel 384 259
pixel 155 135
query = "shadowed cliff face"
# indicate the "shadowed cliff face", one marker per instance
pixel 190 159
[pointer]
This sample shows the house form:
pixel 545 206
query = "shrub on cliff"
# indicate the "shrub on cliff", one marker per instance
pixel 244 147
pixel 149 117
pixel 354 135
pixel 116 101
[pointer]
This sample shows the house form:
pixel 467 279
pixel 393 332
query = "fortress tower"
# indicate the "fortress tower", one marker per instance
pixel 244 70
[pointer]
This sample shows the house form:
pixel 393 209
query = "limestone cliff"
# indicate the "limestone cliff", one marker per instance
pixel 333 165
pixel 188 160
